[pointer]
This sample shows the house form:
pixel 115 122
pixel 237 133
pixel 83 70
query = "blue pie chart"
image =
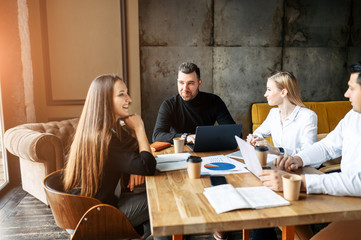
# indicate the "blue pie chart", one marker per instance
pixel 219 166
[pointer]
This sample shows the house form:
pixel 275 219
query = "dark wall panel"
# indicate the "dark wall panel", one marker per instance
pixel 248 23
pixel 238 44
pixel 240 76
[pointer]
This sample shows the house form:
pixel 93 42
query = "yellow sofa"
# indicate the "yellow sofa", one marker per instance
pixel 328 114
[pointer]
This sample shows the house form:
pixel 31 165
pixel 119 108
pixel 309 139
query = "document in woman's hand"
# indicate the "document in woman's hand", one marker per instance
pixel 170 162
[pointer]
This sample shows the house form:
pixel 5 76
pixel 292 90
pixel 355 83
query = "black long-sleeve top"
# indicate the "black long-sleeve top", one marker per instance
pixel 177 116
pixel 120 161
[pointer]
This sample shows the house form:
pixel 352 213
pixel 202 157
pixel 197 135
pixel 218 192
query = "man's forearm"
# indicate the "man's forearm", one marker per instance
pixel 165 136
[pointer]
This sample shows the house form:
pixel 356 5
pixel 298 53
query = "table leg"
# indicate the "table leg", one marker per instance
pixel 245 234
pixel 288 232
pixel 177 237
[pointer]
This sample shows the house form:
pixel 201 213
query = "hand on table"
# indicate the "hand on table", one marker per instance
pixel 135 180
pixel 272 179
pixel 191 138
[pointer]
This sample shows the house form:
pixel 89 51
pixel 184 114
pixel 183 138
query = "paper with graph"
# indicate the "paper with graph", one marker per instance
pixel 221 165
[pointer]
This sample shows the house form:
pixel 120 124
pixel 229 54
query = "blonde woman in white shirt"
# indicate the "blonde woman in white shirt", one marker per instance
pixel 292 126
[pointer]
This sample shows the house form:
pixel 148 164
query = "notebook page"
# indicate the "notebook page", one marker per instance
pixel 262 197
pixel 220 203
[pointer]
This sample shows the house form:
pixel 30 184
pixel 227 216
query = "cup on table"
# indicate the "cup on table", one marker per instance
pixel 178 145
pixel 291 186
pixel 194 166
pixel 262 152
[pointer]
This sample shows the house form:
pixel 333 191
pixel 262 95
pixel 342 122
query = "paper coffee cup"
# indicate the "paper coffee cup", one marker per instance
pixel 262 152
pixel 291 186
pixel 194 166
pixel 178 145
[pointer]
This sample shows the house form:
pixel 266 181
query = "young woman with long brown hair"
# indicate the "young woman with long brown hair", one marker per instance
pixel 110 145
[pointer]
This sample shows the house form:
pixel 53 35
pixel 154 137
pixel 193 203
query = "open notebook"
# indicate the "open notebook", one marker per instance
pixel 244 197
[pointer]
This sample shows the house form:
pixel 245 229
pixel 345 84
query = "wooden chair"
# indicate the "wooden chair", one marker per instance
pixel 331 168
pixel 332 165
pixel 89 218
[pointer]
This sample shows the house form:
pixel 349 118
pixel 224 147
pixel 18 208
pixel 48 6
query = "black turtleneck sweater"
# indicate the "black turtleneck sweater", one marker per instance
pixel 176 116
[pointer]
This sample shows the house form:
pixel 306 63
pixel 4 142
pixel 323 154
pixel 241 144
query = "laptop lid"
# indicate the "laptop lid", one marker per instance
pixel 216 138
pixel 249 156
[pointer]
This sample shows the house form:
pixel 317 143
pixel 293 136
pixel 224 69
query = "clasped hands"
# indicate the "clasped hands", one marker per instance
pixel 254 140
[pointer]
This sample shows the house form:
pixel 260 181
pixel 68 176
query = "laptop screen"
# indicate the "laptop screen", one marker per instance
pixel 216 138
pixel 249 156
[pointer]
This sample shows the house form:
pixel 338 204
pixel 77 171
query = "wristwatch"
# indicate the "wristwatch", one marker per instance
pixel 281 151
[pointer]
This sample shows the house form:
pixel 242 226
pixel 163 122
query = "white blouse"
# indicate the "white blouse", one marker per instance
pixel 298 130
pixel 345 140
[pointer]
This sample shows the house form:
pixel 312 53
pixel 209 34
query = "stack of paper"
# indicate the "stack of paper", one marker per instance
pixel 170 162
pixel 240 198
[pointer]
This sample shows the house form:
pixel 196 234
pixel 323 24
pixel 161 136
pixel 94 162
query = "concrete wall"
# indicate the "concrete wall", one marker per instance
pixel 239 43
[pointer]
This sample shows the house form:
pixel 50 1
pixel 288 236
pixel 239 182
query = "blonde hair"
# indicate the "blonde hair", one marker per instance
pixel 89 149
pixel 286 80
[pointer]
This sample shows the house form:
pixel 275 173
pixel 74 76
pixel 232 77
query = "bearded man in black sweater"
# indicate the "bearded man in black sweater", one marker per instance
pixel 179 115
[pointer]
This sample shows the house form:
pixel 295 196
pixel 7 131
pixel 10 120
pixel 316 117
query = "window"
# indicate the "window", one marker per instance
pixel 4 176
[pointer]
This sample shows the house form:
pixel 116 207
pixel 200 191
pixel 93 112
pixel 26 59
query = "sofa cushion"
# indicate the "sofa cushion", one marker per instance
pixel 41 141
pixel 322 119
pixel 336 111
pixel 63 130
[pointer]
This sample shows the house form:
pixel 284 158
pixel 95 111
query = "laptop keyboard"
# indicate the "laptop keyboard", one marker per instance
pixel 190 146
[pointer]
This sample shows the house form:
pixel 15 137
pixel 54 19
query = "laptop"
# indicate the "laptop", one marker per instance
pixel 216 138
pixel 249 156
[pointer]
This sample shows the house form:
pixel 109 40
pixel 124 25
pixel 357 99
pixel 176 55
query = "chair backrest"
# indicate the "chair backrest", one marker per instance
pixel 88 216
pixel 67 209
pixel 104 221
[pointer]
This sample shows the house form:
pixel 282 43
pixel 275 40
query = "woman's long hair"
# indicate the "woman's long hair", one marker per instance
pixel 89 149
pixel 286 80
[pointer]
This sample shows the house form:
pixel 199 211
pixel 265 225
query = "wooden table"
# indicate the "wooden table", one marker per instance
pixel 177 206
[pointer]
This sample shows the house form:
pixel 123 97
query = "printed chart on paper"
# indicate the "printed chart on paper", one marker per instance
pixel 221 165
